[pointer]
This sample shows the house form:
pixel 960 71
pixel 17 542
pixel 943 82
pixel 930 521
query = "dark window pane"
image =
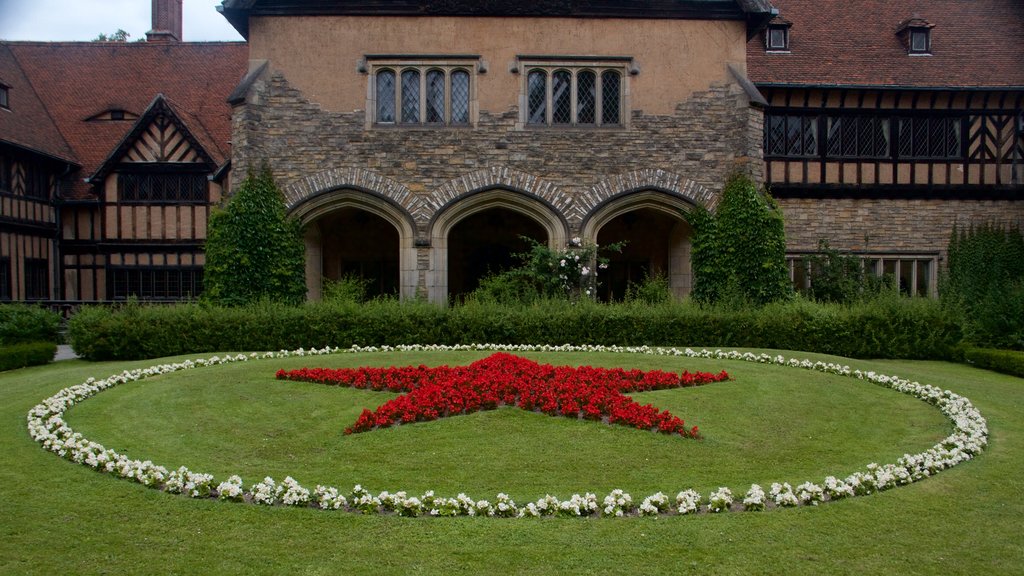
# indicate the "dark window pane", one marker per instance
pixel 385 96
pixel 561 97
pixel 5 278
pixel 410 96
pixel 777 38
pixel 586 97
pixel 37 279
pixel 435 96
pixel 610 98
pixel 162 283
pixel 460 97
pixel 536 97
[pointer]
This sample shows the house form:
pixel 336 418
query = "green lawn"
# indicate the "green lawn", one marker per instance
pixel 769 424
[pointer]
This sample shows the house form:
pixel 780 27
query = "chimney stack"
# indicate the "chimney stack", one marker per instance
pixel 166 21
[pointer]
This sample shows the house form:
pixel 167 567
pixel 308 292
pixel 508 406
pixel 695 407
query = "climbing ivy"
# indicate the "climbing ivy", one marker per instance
pixel 739 251
pixel 253 250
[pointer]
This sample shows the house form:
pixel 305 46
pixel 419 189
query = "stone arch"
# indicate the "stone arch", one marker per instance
pixel 645 179
pixel 662 213
pixel 314 209
pixel 498 177
pixel 327 181
pixel 548 217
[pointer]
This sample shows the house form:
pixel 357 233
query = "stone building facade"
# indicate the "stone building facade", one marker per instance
pixel 426 206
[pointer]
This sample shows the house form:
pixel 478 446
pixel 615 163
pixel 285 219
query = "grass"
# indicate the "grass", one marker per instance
pixel 769 424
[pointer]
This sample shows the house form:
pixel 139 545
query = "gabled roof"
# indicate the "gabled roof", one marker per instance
pixel 27 124
pixel 975 43
pixel 76 81
pixel 755 12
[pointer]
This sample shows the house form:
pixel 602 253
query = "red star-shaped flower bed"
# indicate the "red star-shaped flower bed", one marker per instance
pixel 508 380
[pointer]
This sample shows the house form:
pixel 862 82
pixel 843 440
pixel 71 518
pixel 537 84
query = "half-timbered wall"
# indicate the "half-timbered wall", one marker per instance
pixel 27 226
pixel 872 140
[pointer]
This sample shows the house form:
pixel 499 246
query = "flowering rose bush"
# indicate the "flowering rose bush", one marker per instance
pixel 507 380
pixel 969 437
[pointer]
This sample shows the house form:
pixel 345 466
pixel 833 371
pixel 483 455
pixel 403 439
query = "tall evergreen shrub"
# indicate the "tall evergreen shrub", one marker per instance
pixel 741 248
pixel 984 284
pixel 253 250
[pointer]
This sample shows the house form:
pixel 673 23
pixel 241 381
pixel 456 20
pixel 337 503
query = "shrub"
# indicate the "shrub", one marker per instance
pixel 349 288
pixel 984 285
pixel 26 354
pixel 889 327
pixel 740 246
pixel 253 251
pixel 1005 361
pixel 842 278
pixel 653 289
pixel 21 323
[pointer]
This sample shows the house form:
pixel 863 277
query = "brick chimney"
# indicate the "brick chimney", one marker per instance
pixel 166 21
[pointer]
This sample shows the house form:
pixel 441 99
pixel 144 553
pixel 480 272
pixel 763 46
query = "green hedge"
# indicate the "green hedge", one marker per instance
pixel 884 328
pixel 1005 361
pixel 20 323
pixel 26 354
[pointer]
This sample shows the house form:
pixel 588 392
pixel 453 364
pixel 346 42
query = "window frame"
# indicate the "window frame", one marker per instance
pixel 6 288
pixel 878 264
pixel 5 97
pixel 914 32
pixel 467 66
pixel 769 37
pixel 147 278
pixel 600 68
pixel 162 170
pixel 35 269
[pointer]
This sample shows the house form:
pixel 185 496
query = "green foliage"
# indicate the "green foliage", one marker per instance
pixel 253 250
pixel 741 246
pixel 545 273
pixel 884 327
pixel 26 354
pixel 984 284
pixel 842 278
pixel 1005 361
pixel 119 36
pixel 349 288
pixel 652 290
pixel 21 323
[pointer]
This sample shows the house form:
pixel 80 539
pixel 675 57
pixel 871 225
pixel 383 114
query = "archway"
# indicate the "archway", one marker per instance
pixel 657 241
pixel 356 243
pixel 359 233
pixel 486 242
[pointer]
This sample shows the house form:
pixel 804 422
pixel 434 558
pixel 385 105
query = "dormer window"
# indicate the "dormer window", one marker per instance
pixel 117 114
pixel 5 96
pixel 776 36
pixel 916 34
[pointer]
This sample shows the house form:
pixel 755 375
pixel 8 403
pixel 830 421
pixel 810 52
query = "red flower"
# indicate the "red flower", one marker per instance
pixel 505 379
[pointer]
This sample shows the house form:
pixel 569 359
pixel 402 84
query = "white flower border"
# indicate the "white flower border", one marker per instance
pixel 46 425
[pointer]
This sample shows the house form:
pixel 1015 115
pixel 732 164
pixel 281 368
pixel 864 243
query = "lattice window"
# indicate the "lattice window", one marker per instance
pixel 574 94
pixel 6 180
pixel 791 135
pixel 930 138
pixel 37 180
pixel 857 137
pixel 154 283
pixel 420 93
pixel 386 97
pixel 5 97
pixel 162 188
pixel 910 274
pixel 37 279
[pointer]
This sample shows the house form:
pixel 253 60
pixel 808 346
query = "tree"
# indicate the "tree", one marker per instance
pixel 119 36
pixel 740 250
pixel 253 250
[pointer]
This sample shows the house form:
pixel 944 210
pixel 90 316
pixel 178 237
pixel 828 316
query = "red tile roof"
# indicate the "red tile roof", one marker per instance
pixel 26 123
pixel 78 80
pixel 975 43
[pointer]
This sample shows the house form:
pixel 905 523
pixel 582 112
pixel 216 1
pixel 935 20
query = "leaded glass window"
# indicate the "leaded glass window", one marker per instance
pixel 561 97
pixel 536 97
pixel 410 96
pixel 791 135
pixel 610 97
pixel 386 96
pixel 586 97
pixel 857 137
pixel 460 97
pixel 933 138
pixel 435 96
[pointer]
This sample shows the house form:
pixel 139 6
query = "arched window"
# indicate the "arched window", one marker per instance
pixel 536 96
pixel 460 97
pixel 586 97
pixel 611 89
pixel 386 97
pixel 435 96
pixel 561 97
pixel 410 96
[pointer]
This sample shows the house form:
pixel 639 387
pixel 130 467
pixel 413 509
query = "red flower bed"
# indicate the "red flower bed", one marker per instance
pixel 508 380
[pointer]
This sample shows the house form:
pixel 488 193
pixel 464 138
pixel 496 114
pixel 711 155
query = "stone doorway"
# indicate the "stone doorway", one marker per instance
pixel 657 243
pixel 358 243
pixel 486 242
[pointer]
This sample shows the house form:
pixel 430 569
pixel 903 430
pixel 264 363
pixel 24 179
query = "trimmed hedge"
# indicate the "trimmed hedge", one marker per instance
pixel 26 354
pixel 1006 361
pixel 20 323
pixel 884 328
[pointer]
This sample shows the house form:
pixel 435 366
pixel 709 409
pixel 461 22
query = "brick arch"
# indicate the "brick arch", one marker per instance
pixel 297 193
pixel 645 179
pixel 496 177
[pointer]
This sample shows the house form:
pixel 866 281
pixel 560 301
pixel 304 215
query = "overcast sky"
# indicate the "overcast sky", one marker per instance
pixel 87 19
